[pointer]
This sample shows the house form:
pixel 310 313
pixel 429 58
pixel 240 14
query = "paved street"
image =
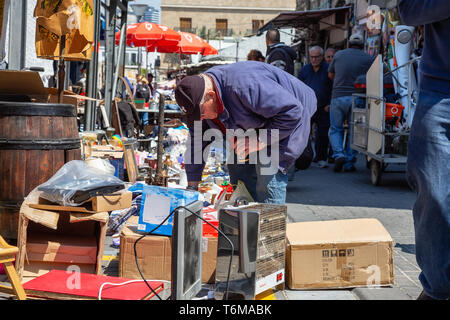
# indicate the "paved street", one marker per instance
pixel 321 194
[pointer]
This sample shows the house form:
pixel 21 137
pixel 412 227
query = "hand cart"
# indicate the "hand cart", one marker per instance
pixel 375 130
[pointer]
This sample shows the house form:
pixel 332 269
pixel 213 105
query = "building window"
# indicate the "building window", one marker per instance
pixel 185 24
pixel 222 26
pixel 256 25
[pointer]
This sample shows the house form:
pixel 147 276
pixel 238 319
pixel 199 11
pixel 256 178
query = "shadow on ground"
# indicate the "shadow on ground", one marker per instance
pixel 324 187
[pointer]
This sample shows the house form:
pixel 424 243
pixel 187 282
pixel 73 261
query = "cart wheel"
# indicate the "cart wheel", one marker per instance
pixel 375 172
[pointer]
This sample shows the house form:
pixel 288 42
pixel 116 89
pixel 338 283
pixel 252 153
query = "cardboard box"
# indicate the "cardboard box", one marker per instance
pixel 157 203
pixel 155 256
pixel 74 240
pixel 73 19
pixel 338 254
pixel 61 248
pixel 29 84
pixel 121 200
pixel 209 259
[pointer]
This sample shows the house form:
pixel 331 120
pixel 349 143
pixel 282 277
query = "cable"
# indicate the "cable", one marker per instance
pixel 136 256
pixel 120 284
pixel 150 232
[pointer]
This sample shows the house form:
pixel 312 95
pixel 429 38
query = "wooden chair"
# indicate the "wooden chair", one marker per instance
pixel 7 257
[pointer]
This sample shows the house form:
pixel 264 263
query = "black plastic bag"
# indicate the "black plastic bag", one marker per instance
pixel 304 161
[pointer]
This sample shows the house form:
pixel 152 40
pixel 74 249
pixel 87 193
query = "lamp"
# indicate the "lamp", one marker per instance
pixel 139 10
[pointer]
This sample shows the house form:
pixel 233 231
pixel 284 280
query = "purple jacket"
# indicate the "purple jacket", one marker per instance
pixel 257 95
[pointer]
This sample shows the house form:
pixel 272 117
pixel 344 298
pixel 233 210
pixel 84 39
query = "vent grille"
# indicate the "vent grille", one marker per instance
pixel 272 239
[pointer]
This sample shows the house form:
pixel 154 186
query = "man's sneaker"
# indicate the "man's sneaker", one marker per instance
pixel 322 164
pixel 349 169
pixel 338 164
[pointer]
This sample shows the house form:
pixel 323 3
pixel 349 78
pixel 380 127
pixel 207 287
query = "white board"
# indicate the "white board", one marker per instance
pixel 374 80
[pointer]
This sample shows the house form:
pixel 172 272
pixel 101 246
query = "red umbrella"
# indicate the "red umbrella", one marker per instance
pixel 143 34
pixel 189 44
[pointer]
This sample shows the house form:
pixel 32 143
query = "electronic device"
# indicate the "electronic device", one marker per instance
pixel 258 234
pixel 79 191
pixel 187 252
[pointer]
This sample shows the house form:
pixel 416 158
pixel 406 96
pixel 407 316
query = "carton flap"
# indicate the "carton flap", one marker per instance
pixel 336 231
pixel 21 82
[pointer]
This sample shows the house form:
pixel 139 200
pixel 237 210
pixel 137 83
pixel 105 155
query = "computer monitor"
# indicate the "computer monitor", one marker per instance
pixel 187 252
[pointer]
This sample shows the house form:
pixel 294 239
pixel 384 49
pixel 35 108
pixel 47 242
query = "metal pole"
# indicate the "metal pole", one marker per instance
pixel 17 35
pixel 121 52
pixel 92 76
pixel 110 56
pixel 124 21
pixel 160 149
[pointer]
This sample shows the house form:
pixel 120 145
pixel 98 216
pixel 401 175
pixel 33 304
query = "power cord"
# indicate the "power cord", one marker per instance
pixel 119 284
pixel 165 219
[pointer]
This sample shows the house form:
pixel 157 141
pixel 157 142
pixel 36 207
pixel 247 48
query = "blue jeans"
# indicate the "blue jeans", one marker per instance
pixel 144 118
pixel 428 173
pixel 340 110
pixel 263 188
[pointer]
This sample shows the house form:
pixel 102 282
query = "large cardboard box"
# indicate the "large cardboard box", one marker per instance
pixel 76 241
pixel 61 248
pixel 338 254
pixel 155 256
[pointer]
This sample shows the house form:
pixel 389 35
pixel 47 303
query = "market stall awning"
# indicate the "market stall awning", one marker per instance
pixel 300 19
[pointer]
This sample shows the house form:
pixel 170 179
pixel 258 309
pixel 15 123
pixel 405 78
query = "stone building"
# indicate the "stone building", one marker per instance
pixel 221 18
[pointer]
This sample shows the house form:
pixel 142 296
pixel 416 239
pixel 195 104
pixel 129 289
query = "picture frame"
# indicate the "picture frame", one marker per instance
pixel 130 161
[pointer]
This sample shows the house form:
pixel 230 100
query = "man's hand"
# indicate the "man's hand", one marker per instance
pixel 243 146
pixel 327 108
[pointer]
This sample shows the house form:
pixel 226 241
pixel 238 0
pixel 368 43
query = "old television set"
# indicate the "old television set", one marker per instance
pixel 186 278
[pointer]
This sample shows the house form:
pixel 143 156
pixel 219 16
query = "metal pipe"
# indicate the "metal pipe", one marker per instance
pixel 160 149
pixel 17 35
pixel 121 52
pixel 92 76
pixel 110 54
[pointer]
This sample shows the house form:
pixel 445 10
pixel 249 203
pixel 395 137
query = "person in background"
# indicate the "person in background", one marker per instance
pixel 150 84
pixel 315 75
pixel 278 53
pixel 329 55
pixel 142 93
pixel 428 158
pixel 255 55
pixel 345 67
pixel 265 98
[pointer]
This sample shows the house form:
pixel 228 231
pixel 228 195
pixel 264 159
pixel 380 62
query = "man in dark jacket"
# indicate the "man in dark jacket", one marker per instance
pixel 429 145
pixel 315 75
pixel 255 97
pixel 278 53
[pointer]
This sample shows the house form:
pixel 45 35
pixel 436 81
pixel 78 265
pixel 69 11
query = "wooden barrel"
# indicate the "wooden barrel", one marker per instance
pixel 36 139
